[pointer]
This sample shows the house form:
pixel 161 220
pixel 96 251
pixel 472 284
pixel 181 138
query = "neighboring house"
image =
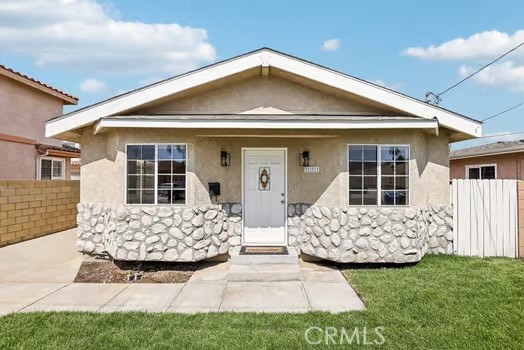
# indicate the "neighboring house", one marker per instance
pixel 25 105
pixel 264 149
pixel 499 160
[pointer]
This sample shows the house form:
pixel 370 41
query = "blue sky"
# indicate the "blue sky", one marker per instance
pixel 97 49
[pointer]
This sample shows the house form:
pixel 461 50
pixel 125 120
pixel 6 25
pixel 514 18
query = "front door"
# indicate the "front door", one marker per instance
pixel 264 202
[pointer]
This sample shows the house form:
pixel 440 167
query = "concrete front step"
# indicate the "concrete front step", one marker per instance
pixel 237 259
pixel 264 273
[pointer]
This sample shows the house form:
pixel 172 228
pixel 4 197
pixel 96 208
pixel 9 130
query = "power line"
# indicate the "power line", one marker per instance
pixel 505 111
pixel 437 98
pixel 498 135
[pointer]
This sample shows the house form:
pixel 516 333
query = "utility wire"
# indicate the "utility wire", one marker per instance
pixel 498 135
pixel 505 111
pixel 437 97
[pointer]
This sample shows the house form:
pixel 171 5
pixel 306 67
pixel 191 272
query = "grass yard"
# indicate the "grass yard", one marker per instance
pixel 441 303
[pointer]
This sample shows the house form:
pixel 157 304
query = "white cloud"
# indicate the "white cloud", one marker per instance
pixel 480 46
pixel 331 44
pixel 393 86
pixel 85 35
pixel 476 51
pixel 506 75
pixel 92 85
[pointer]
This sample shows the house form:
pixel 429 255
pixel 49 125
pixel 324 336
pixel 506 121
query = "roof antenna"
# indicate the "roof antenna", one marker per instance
pixel 432 98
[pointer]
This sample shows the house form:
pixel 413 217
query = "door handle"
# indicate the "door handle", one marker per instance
pixel 282 201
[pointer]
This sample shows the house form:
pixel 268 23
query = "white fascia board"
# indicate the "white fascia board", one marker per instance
pixel 375 93
pixel 136 122
pixel 140 97
pixel 263 58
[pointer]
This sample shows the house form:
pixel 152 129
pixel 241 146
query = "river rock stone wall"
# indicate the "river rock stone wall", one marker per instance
pixel 158 233
pixel 387 235
pixel 167 233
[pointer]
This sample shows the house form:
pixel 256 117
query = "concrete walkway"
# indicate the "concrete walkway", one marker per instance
pixel 37 276
pixel 51 258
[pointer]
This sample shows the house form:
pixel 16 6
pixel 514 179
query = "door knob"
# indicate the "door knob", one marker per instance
pixel 282 194
pixel 282 201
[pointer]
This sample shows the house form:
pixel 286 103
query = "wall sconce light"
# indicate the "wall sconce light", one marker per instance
pixel 225 158
pixel 304 158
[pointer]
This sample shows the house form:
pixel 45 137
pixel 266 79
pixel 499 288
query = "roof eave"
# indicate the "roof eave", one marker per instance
pixel 331 124
pixel 68 100
pixel 263 58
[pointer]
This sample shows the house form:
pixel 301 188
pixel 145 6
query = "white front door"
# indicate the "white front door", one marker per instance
pixel 264 202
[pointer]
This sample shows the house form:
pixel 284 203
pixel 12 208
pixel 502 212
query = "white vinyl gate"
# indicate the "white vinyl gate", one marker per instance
pixel 485 217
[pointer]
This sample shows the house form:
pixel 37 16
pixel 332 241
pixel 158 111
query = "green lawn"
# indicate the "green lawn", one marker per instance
pixel 440 303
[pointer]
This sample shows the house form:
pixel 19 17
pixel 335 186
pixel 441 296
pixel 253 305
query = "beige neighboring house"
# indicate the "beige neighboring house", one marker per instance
pixel 25 105
pixel 264 149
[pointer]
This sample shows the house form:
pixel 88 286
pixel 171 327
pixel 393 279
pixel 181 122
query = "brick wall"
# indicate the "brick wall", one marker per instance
pixel 520 195
pixel 30 209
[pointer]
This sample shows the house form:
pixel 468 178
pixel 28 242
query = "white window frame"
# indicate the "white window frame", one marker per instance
pixel 479 166
pixel 52 159
pixel 156 172
pixel 379 173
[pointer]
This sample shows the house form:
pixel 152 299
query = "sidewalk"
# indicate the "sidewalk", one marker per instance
pixel 37 276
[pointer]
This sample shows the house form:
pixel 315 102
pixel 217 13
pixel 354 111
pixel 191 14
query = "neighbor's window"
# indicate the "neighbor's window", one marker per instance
pixel 156 174
pixel 378 174
pixel 51 169
pixel 481 172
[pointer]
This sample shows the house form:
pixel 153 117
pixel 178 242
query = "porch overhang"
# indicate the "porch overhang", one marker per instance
pixel 276 121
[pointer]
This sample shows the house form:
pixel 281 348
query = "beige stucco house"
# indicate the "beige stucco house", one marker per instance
pixel 264 149
pixel 25 105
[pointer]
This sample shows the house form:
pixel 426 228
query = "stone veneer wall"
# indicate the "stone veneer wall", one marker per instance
pixel 388 235
pixel 166 233
pixel 158 233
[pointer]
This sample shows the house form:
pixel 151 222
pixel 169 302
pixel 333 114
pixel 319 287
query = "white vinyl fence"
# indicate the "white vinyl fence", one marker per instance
pixel 485 217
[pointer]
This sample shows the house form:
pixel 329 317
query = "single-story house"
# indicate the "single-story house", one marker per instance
pixel 25 105
pixel 264 149
pixel 498 160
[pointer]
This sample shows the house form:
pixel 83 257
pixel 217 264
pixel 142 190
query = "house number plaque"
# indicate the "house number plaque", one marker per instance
pixel 312 169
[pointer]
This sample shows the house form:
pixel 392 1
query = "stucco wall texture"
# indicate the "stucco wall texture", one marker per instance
pixel 509 166
pixel 256 94
pixel 103 155
pixel 23 113
pixel 103 163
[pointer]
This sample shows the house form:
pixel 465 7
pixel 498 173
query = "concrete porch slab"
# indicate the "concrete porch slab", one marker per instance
pixel 202 296
pixel 78 297
pixel 322 276
pixel 332 297
pixel 145 297
pixel 216 272
pixel 265 297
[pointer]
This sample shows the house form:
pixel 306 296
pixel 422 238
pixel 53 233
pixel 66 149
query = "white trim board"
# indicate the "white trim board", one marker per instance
pixel 52 159
pixel 263 58
pixel 479 166
pixel 138 122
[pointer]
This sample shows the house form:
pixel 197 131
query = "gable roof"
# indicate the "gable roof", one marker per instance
pixel 501 147
pixel 264 58
pixel 37 84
